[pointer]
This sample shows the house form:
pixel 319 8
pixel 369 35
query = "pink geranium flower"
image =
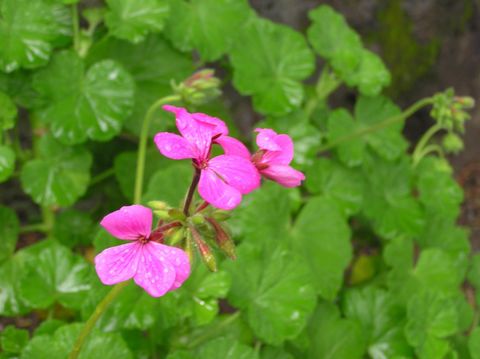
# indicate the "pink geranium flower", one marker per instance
pixel 223 179
pixel 155 267
pixel 273 159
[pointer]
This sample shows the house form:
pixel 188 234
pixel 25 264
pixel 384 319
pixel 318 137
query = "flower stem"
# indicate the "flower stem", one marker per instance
pixel 191 192
pixel 115 291
pixel 94 317
pixel 142 146
pixel 422 143
pixel 38 227
pixel 102 176
pixel 379 126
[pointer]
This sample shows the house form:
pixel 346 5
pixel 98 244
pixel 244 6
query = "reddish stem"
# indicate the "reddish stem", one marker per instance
pixel 191 192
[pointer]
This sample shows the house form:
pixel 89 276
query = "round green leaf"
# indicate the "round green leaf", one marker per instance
pixel 9 229
pixel 325 244
pixel 208 26
pixel 11 272
pixel 29 30
pixel 81 105
pixel 133 20
pixel 7 163
pixel 8 112
pixel 52 272
pixel 154 64
pixel 273 288
pixel 59 176
pixel 224 348
pixel 42 346
pixel 281 59
pixel 73 227
pixel 474 343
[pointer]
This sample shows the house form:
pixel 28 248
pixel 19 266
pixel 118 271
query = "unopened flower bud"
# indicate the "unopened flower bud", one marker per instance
pixel 204 250
pixel 199 88
pixel 157 205
pixel 197 218
pixel 465 101
pixel 225 243
pixel 162 214
pixel 452 143
pixel 175 213
pixel 175 235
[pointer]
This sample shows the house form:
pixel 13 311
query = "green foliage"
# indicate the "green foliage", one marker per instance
pixel 364 260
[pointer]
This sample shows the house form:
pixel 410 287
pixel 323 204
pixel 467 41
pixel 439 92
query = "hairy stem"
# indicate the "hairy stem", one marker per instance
pixel 142 145
pixel 379 126
pixel 191 192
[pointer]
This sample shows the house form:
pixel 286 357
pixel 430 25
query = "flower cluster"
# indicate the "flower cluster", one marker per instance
pixel 222 181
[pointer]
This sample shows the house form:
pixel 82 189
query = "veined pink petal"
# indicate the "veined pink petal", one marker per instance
pixel 220 126
pixel 284 175
pixel 174 146
pixel 232 146
pixel 237 171
pixel 177 258
pixel 266 139
pixel 154 274
pixel 282 157
pixel 199 134
pixel 216 192
pixel 118 264
pixel 129 222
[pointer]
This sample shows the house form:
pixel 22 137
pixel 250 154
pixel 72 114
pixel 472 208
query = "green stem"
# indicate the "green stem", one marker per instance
pixel 427 150
pixel 142 146
pixel 101 176
pixel 385 123
pixel 214 331
pixel 38 227
pixel 94 317
pixel 48 216
pixel 419 148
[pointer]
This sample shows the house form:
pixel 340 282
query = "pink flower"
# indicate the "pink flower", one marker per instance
pixel 223 179
pixel 273 159
pixel 155 267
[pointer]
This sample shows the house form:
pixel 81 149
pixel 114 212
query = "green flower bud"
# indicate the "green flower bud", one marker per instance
pixel 199 88
pixel 452 143
pixel 157 205
pixel 162 214
pixel 204 250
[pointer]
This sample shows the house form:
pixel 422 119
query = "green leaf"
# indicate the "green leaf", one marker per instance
pixel 11 272
pixel 73 227
pixel 8 112
pixel 337 183
pixel 332 337
pixel 84 104
pixel 439 192
pixel 370 112
pixel 282 59
pixel 273 289
pixel 208 26
pixel 7 163
pixel 382 321
pixel 371 75
pixel 29 30
pixel 52 272
pixel 474 343
pixel 12 340
pixel 153 64
pixel 431 317
pixel 323 237
pixel 333 39
pixel 272 204
pixel 170 185
pixel 59 176
pixel 133 20
pixel 474 275
pixel 223 348
pixel 9 229
pixel 388 200
pixel 269 352
pixel 97 345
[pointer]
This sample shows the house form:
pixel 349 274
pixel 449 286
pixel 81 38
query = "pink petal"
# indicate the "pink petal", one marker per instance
pixel 216 192
pixel 266 139
pixel 129 222
pixel 238 172
pixel 220 126
pixel 177 258
pixel 282 157
pixel 284 175
pixel 232 146
pixel 174 146
pixel 199 134
pixel 118 264
pixel 155 273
